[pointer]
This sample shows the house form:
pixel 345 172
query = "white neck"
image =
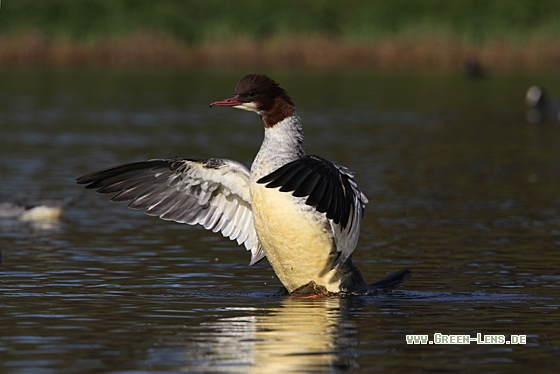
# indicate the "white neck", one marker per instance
pixel 282 144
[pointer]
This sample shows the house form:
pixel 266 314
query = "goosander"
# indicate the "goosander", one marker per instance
pixel 26 209
pixel 301 212
pixel 540 106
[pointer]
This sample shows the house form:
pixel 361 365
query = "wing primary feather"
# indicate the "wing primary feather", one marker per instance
pixel 136 192
pixel 307 185
pixel 257 255
pixel 342 212
pixel 288 185
pixel 316 195
pixel 325 202
pixel 120 185
pixel 280 176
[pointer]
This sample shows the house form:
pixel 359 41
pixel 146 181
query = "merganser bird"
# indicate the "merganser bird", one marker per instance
pixel 540 106
pixel 26 209
pixel 301 212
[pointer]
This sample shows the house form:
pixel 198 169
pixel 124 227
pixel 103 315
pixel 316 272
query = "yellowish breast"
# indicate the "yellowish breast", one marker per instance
pixel 296 244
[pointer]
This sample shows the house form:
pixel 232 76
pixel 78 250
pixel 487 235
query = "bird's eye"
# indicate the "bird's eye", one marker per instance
pixel 251 93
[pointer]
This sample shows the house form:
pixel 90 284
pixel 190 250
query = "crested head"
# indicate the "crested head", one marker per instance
pixel 263 95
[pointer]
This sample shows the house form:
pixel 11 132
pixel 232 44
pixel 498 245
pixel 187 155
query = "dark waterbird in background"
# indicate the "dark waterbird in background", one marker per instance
pixel 473 68
pixel 301 212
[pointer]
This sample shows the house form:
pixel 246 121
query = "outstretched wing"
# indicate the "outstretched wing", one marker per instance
pixel 331 189
pixel 211 192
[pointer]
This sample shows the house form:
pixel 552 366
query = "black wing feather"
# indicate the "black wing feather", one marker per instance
pixel 110 176
pixel 279 177
pixel 308 185
pixel 316 195
pixel 325 202
pixel 296 181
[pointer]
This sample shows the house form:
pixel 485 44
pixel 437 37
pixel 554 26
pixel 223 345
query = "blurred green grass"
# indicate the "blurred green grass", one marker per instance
pixel 194 22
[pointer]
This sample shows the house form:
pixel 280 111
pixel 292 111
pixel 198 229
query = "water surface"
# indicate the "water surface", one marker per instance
pixel 463 191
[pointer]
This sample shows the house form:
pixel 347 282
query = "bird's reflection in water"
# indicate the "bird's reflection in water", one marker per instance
pixel 301 335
